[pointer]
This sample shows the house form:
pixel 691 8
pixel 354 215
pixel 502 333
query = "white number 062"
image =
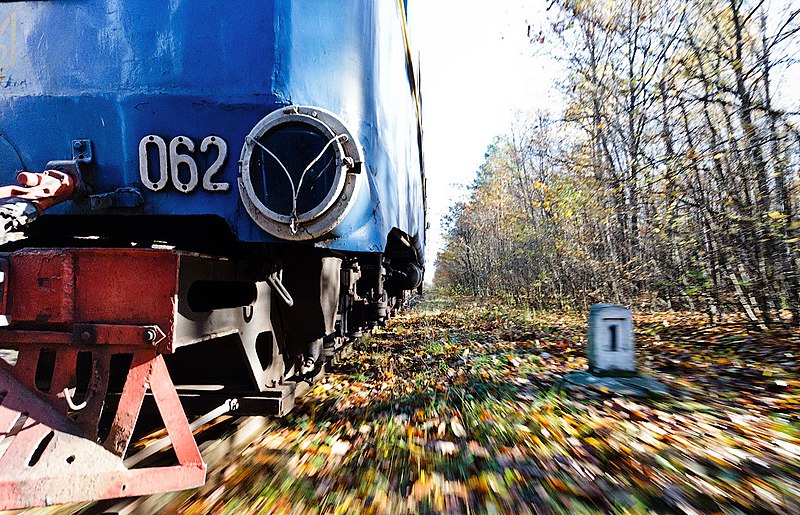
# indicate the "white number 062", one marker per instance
pixel 170 161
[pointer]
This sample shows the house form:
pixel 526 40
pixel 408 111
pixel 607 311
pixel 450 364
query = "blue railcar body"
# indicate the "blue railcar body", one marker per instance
pixel 250 202
pixel 114 71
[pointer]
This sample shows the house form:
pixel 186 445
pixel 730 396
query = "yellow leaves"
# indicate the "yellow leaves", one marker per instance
pixel 422 487
pixel 594 442
pixel 485 416
pixel 538 443
pixel 777 215
pixel 488 482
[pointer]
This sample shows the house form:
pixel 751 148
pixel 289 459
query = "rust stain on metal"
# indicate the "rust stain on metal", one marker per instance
pixel 106 302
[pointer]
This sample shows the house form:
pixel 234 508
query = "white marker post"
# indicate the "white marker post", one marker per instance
pixel 610 340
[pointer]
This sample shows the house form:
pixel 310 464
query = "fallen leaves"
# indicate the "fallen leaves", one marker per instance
pixel 457 428
pixel 462 409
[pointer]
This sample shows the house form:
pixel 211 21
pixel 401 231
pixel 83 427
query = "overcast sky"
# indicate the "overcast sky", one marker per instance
pixel 479 70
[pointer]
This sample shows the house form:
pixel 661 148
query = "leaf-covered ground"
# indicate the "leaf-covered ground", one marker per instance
pixel 457 407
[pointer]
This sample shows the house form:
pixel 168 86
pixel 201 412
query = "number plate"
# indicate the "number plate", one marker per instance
pixel 177 163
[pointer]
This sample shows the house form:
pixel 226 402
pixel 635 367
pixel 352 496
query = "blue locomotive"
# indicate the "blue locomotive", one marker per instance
pixel 227 191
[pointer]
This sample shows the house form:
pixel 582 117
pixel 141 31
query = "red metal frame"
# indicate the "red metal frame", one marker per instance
pixel 104 302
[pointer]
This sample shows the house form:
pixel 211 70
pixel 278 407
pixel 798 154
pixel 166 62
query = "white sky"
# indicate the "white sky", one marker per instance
pixel 479 70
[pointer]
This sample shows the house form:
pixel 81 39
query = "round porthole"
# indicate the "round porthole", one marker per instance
pixel 298 172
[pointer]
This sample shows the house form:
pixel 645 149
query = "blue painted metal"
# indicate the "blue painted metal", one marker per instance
pixel 114 71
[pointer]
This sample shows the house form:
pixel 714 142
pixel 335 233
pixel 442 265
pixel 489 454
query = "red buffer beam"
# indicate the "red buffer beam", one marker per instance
pixel 70 302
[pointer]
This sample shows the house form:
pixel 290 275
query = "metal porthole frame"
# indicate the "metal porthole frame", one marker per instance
pixel 331 211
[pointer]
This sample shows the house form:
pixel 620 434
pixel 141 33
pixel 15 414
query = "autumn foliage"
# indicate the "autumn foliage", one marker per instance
pixel 669 179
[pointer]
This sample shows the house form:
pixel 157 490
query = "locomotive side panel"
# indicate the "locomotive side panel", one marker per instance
pixel 194 69
pixel 185 73
pixel 361 73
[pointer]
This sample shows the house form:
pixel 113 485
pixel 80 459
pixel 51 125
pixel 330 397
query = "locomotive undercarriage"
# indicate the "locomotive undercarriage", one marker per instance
pixel 307 301
pixel 102 334
pixel 235 329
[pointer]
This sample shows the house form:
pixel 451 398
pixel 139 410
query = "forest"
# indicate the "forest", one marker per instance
pixel 669 180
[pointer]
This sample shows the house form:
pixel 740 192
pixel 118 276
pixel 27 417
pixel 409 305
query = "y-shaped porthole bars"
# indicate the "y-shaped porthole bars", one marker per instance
pixel 298 172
